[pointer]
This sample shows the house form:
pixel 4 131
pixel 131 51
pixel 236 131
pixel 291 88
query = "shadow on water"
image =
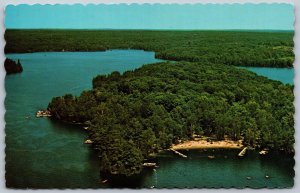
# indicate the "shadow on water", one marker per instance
pixel 134 182
pixel 72 128
pixel 222 168
pixel 282 162
pixel 113 181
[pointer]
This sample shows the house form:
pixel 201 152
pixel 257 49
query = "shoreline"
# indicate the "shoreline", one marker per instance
pixel 204 144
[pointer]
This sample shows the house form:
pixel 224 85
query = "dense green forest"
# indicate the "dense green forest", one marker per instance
pixel 12 67
pixel 132 116
pixel 240 48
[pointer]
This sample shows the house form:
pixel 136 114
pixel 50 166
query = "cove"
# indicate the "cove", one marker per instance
pixel 41 153
pixel 284 75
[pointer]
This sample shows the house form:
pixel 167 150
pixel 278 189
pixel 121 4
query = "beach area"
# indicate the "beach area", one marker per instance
pixel 203 143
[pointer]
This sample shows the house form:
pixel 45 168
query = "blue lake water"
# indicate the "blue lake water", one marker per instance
pixel 284 75
pixel 41 153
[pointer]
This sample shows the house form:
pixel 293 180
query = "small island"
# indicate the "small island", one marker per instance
pixel 12 67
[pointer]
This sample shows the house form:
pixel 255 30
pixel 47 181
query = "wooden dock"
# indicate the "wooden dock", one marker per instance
pixel 178 153
pixel 243 152
pixel 151 165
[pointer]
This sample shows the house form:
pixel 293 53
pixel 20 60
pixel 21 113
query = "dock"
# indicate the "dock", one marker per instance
pixel 150 165
pixel 243 152
pixel 178 153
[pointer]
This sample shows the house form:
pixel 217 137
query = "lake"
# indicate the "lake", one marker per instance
pixel 41 153
pixel 284 75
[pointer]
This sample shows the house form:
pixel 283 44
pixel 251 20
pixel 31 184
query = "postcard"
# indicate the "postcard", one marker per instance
pixel 149 96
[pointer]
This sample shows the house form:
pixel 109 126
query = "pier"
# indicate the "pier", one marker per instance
pixel 178 153
pixel 243 152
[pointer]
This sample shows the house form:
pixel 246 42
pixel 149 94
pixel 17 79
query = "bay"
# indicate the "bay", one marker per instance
pixel 42 153
pixel 284 75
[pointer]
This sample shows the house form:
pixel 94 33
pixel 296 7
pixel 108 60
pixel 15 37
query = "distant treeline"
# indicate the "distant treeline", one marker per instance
pixel 239 48
pixel 12 67
pixel 134 115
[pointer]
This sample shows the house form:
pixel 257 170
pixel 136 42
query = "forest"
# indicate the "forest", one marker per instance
pixel 12 67
pixel 134 115
pixel 239 48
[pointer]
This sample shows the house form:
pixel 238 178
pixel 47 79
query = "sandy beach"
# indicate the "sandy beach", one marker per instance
pixel 204 144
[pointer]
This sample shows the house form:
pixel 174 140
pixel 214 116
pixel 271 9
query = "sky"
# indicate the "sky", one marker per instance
pixel 158 16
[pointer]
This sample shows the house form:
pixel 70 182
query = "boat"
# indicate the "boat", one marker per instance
pixel 211 156
pixel 148 164
pixel 88 141
pixel 42 113
pixel 263 152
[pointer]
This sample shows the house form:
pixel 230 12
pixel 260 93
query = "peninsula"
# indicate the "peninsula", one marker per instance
pixel 132 116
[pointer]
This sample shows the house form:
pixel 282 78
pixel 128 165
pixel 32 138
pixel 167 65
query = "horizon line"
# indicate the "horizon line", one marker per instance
pixel 140 29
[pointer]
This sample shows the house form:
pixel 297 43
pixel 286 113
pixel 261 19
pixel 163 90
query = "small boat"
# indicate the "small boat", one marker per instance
pixel 88 141
pixel 211 156
pixel 104 181
pixel 148 164
pixel 42 113
pixel 263 152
